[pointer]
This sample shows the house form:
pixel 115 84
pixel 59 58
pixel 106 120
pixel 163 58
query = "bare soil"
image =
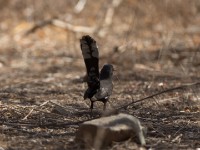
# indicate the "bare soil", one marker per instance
pixel 153 45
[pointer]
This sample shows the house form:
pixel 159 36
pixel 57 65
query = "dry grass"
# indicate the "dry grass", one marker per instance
pixel 154 45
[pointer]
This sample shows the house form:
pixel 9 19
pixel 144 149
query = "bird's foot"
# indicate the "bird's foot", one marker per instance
pixel 91 107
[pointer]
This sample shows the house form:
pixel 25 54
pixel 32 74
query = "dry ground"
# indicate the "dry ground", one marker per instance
pixel 154 45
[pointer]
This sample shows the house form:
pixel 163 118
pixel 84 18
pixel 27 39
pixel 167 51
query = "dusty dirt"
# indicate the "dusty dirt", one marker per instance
pixel 151 51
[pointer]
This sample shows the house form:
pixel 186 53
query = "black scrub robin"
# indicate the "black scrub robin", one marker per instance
pixel 100 85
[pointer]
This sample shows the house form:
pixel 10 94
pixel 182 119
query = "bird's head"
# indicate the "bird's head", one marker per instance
pixel 106 71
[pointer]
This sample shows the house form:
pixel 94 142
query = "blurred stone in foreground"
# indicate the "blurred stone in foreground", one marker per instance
pixel 103 131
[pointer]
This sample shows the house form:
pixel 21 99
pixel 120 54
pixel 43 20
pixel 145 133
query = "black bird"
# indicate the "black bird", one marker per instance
pixel 99 84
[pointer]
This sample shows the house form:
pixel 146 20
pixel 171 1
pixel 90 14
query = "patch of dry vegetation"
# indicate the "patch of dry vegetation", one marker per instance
pixel 154 45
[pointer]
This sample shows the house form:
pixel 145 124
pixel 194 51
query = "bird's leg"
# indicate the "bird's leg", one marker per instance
pixel 104 105
pixel 91 106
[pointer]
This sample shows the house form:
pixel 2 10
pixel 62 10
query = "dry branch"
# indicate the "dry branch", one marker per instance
pixel 37 26
pixel 25 118
pixel 74 28
pixel 61 24
pixel 164 91
pixel 110 12
pixel 80 6
pixel 60 109
pixel 109 17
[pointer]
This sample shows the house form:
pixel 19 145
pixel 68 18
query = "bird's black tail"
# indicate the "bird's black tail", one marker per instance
pixel 91 58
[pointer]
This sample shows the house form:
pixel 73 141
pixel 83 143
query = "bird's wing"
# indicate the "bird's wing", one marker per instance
pixel 105 90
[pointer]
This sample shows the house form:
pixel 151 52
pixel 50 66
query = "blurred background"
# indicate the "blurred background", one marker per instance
pixel 146 34
pixel 154 45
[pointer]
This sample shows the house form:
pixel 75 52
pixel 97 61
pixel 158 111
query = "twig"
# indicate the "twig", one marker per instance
pixel 30 112
pixel 61 24
pixel 165 91
pixel 177 138
pixel 181 128
pixel 18 124
pixel 38 25
pixel 170 99
pixel 74 28
pixel 110 12
pixel 33 109
pixel 61 109
pixel 80 6
pixel 159 132
pixel 44 103
pixel 109 17
pixel 153 145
